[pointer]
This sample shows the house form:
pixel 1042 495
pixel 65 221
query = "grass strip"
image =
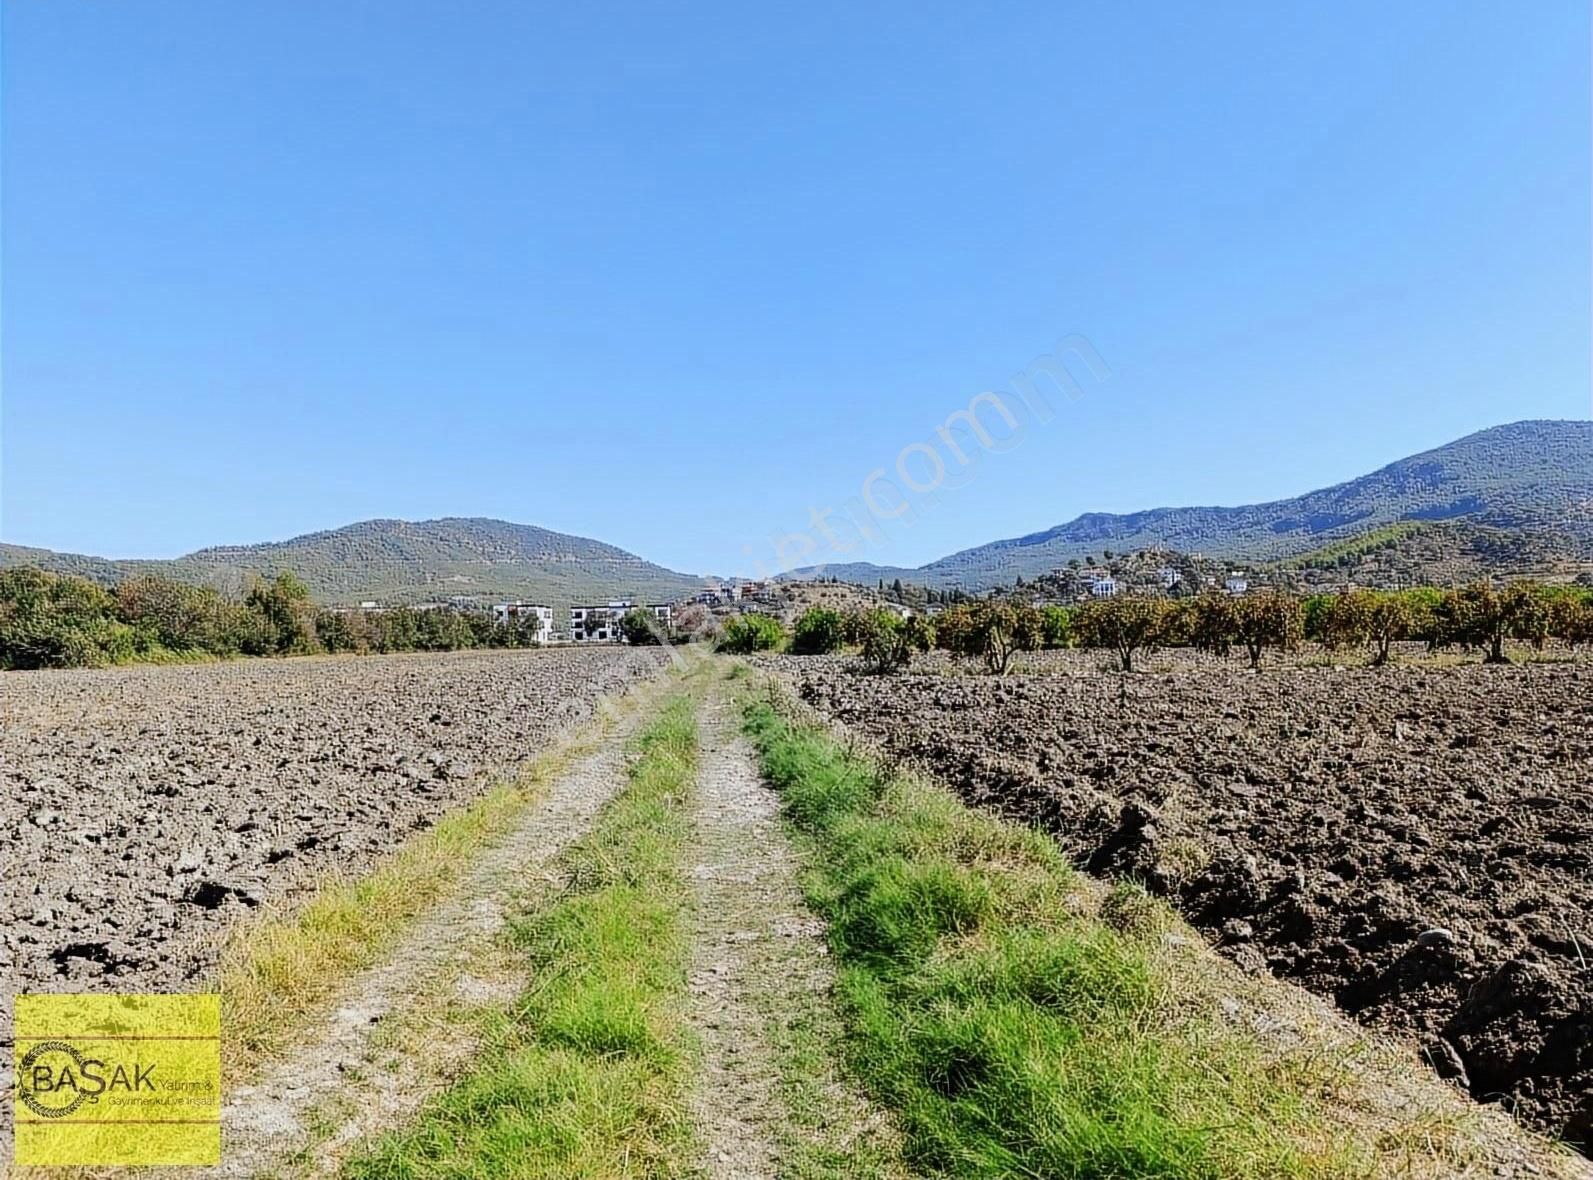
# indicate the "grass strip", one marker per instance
pixel 587 1075
pixel 1016 1024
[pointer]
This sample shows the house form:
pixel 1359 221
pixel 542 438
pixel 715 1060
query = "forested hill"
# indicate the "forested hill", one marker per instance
pixel 405 561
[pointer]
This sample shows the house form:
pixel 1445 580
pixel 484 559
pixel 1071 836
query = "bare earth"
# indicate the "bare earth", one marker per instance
pixel 143 809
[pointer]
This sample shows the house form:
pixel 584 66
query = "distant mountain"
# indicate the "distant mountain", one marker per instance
pixel 406 561
pixel 1533 476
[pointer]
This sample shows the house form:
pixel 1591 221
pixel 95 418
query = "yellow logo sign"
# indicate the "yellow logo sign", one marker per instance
pixel 118 1080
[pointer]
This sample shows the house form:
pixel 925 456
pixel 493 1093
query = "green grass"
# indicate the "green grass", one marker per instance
pixel 586 1076
pixel 1016 1023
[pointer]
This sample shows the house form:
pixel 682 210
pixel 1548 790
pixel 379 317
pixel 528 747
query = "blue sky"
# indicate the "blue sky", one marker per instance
pixel 676 275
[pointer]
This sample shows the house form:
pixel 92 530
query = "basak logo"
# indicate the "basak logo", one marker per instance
pixel 56 1079
pixel 116 1079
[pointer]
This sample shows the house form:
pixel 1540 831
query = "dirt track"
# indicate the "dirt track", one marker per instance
pixel 1414 842
pixel 143 809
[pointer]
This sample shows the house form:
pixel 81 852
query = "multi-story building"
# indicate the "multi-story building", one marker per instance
pixel 601 624
pixel 522 613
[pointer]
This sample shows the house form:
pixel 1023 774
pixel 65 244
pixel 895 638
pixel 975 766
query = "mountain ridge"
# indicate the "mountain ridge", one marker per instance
pixel 1534 475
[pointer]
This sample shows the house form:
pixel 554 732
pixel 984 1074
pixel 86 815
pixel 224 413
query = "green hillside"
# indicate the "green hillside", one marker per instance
pixel 399 561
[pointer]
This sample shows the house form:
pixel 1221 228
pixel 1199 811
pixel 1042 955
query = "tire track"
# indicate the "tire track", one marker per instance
pixel 298 1117
pixel 760 970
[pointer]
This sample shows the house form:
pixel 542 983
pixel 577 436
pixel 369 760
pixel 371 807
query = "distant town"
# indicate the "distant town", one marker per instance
pixel 601 622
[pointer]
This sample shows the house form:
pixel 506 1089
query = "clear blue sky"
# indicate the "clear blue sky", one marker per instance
pixel 671 275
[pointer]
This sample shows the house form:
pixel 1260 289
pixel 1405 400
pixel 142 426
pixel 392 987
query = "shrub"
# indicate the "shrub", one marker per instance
pixel 286 615
pixel 337 633
pixel 746 634
pixel 1056 626
pixel 181 617
pixel 695 623
pixel 818 632
pixel 57 621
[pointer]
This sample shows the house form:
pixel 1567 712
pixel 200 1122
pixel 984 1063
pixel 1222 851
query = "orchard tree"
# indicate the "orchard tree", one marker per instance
pixel 1268 618
pixel 818 631
pixel 1002 630
pixel 890 642
pixel 1358 617
pixel 1571 618
pixel 1125 624
pixel 1213 622
pixel 993 632
pixel 1057 624
pixel 750 633
pixel 1478 616
pixel 1340 621
pixel 1389 618
pixel 1528 608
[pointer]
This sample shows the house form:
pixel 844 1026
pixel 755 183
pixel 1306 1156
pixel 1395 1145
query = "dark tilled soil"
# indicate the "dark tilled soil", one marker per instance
pixel 1415 842
pixel 143 809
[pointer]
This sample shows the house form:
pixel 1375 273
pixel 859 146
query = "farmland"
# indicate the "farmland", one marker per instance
pixel 1409 842
pixel 628 947
pixel 149 808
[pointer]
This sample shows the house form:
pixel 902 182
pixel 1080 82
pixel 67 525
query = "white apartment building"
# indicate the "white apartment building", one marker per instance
pixel 520 613
pixel 601 624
